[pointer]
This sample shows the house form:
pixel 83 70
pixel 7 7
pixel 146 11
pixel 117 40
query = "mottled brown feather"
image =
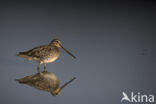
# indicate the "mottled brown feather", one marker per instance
pixel 41 53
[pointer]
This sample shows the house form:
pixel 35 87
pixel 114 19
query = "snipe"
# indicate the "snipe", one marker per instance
pixel 45 54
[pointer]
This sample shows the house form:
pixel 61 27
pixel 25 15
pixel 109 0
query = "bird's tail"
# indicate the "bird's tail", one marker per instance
pixel 21 53
pixel 20 80
pixel 24 55
pixel 25 79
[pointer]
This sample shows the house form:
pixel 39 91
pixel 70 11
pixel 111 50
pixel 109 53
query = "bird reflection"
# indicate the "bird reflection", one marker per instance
pixel 45 81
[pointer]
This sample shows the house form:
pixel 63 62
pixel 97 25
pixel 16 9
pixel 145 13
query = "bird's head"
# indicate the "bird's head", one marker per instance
pixel 58 44
pixel 56 92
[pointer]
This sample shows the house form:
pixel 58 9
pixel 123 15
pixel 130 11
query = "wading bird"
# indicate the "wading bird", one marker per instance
pixel 44 54
pixel 45 81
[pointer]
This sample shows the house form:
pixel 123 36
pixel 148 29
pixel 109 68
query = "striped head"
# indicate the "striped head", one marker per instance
pixel 58 44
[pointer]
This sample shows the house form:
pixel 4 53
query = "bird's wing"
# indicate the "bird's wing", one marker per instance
pixel 37 51
pixel 33 50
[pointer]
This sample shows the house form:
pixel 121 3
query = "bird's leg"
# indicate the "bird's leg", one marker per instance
pixel 45 68
pixel 38 68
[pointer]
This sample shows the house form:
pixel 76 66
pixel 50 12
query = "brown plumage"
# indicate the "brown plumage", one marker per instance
pixel 45 81
pixel 44 54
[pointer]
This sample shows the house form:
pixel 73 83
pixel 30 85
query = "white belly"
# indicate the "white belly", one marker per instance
pixel 49 60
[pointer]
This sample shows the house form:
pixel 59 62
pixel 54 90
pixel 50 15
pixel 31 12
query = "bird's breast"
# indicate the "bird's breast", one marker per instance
pixel 52 56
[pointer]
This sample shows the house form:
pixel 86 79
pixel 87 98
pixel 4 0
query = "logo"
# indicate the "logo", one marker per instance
pixel 137 97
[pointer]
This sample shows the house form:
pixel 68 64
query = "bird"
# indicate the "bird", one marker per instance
pixel 45 54
pixel 47 81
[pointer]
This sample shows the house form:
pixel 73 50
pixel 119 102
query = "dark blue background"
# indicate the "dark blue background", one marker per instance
pixel 114 42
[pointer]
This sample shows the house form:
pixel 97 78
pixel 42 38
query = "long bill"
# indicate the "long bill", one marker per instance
pixel 67 51
pixel 67 83
pixel 58 90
